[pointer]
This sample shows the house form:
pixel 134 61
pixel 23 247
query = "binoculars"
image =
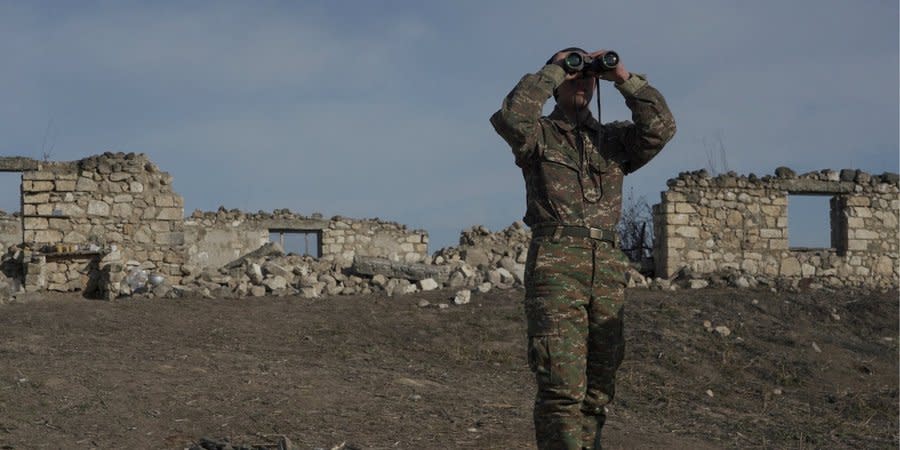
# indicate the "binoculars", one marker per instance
pixel 576 62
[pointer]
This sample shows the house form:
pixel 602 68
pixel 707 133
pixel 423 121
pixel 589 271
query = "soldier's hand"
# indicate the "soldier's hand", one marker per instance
pixel 618 75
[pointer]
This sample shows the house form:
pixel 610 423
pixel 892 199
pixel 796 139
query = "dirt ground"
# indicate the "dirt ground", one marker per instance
pixel 797 371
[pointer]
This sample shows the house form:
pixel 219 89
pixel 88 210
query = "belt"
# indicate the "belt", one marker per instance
pixel 575 231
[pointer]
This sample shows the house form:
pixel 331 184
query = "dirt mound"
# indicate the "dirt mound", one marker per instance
pixel 710 368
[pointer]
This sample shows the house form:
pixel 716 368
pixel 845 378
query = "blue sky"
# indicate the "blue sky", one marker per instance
pixel 380 109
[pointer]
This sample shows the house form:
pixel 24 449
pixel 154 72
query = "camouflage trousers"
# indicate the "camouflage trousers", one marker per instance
pixel 574 294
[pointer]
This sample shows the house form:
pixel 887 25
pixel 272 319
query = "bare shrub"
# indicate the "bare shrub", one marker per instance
pixel 635 228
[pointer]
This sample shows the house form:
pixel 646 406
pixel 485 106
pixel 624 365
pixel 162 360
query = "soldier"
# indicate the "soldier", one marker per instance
pixel 575 275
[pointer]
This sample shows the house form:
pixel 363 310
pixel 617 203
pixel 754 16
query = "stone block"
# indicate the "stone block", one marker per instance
pixel 858 200
pixel 65 185
pixel 123 210
pixel 734 219
pixel 165 201
pixel 864 234
pixel 170 238
pixel 74 237
pixel 677 219
pixel 149 213
pixel 85 185
pixel 698 284
pixel 161 227
pixel 275 283
pixel 123 198
pixel 693 254
pixel 857 245
pixel 687 232
pixel 48 236
pixel 98 208
pixel 790 267
pixel 37 186
pixel 38 175
pixel 428 284
pixel 257 291
pixel 119 176
pixel 475 257
pixel 778 244
pixel 174 258
pixel 770 233
pixel 36 198
pixel 60 224
pixel 135 186
pixel 69 209
pixel 884 265
pixel 36 223
pixel 676 242
pixel 856 211
pixel 462 297
pixel 142 236
pixel 170 214
pixel 749 266
pixel 807 270
pixel 684 208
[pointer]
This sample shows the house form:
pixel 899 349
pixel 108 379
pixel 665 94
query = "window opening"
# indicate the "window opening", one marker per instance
pixel 11 187
pixel 811 222
pixel 298 242
pixel 10 209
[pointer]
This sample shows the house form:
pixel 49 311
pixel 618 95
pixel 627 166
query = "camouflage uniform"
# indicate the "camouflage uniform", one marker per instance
pixel 574 283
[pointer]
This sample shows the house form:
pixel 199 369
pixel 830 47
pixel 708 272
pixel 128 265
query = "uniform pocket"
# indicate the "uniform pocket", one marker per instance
pixel 539 354
pixel 541 318
pixel 559 156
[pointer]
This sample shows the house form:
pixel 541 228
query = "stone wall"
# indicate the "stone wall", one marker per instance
pixel 740 223
pixel 343 239
pixel 217 238
pixel 100 217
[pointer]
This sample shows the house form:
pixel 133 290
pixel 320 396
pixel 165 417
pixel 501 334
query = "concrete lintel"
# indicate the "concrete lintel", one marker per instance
pixel 18 164
pixel 295 224
pixel 816 187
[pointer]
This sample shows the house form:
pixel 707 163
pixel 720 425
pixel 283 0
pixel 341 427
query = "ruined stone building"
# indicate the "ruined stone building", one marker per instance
pixel 740 223
pixel 85 223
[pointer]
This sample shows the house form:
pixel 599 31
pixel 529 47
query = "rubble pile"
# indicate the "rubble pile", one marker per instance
pixel 483 261
pixel 10 273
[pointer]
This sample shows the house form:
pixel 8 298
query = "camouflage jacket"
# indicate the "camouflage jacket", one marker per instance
pixel 568 180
